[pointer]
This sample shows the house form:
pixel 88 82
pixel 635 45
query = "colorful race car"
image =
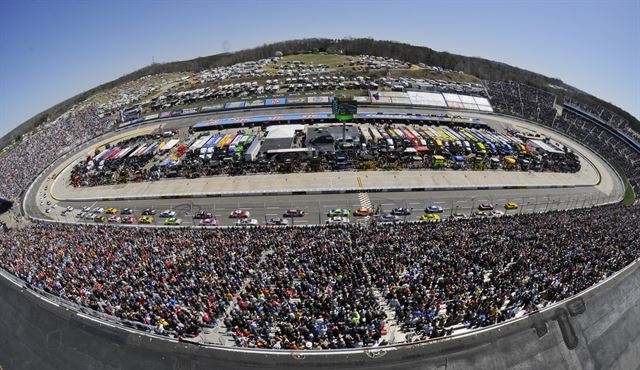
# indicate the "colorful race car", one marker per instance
pixel 168 214
pixel 293 212
pixel 434 209
pixel 278 221
pixel 172 221
pixel 114 218
pixel 128 220
pixel 430 217
pixel 511 205
pixel 401 211
pixel 363 211
pixel 238 213
pixel 146 219
pixel 485 207
pixel 209 222
pixel 338 212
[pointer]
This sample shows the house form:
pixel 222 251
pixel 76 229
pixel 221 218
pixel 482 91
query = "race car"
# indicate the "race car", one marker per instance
pixel 496 213
pixel 98 210
pixel 114 218
pixel 430 217
pixel 247 222
pixel 481 214
pixel 172 221
pixel 86 209
pixel 167 213
pixel 433 209
pixel 338 212
pixel 485 207
pixel 203 215
pixel 511 205
pixel 459 216
pixel 149 212
pixel 128 220
pixel 363 212
pixel 238 213
pixel 146 219
pixel 209 222
pixel 336 220
pixel 401 211
pixel 293 212
pixel 278 221
pixel 111 211
pixel 100 218
pixel 386 218
pixel 126 211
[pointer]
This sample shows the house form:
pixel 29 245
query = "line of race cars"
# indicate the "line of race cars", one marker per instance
pixel 243 217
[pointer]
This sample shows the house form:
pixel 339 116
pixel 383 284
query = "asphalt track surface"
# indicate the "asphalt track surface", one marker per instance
pixel 316 207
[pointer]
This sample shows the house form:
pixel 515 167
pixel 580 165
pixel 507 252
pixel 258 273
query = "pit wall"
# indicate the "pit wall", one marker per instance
pixel 598 329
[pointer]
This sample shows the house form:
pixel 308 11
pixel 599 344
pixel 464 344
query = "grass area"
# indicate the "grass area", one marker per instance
pixel 629 194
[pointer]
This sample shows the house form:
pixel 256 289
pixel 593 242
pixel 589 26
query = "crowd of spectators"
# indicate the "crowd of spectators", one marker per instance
pixel 45 144
pixel 326 287
pixel 525 101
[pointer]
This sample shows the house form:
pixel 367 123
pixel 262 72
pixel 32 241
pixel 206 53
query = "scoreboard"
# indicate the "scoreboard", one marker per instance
pixel 344 107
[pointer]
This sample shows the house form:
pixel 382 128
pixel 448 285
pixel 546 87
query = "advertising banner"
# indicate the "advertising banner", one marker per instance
pixel 275 101
pixel 234 104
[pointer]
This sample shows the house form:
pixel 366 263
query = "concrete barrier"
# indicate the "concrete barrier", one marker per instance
pixel 597 329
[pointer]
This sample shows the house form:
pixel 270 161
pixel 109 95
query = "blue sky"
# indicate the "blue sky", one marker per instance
pixel 53 50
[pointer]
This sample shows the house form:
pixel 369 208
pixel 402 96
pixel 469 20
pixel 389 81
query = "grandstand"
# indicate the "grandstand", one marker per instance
pixel 374 286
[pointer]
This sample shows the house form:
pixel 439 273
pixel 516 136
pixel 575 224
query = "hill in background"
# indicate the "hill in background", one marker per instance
pixel 474 66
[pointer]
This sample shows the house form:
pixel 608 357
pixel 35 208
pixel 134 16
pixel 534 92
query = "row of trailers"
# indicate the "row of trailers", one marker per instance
pixel 439 138
pixel 139 150
pixel 229 145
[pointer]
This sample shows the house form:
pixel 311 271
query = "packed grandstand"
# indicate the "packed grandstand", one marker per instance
pixel 275 287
